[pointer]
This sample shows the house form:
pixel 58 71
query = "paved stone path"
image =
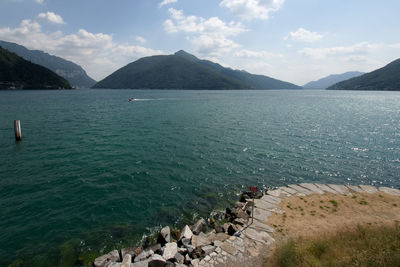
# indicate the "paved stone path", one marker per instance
pixel 249 241
pixel 257 236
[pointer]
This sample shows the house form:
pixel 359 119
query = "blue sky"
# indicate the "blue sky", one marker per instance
pixel 293 40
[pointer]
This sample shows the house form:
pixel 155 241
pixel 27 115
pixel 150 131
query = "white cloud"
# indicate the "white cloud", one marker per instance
pixel 167 2
pixel 140 39
pixel 252 9
pixel 304 35
pixel 39 1
pixel 256 54
pixel 51 17
pixel 395 45
pixel 353 52
pixel 199 25
pixel 97 53
pixel 209 36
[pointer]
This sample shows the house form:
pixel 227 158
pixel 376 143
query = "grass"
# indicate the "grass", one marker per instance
pixel 334 203
pixel 363 246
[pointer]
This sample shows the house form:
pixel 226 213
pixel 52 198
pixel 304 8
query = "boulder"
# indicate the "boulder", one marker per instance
pixel 200 240
pixel 144 255
pixel 230 229
pixel 157 249
pixel 186 242
pixel 195 262
pixel 106 259
pixel 239 213
pixel 156 261
pixel 144 263
pixel 221 237
pixel 179 258
pixel 186 233
pixel 229 248
pixel 187 259
pixel 244 196
pixel 208 249
pixel 127 260
pixel 183 251
pixel 170 250
pixel 199 226
pixel 239 205
pixel 239 221
pixel 164 236
pixel 133 251
pixel 219 229
pixel 218 243
pixel 197 253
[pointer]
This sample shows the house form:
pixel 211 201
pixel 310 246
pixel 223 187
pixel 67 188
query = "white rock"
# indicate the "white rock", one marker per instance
pixel 127 260
pixel 186 233
pixel 208 249
pixel 144 263
pixel 112 256
pixel 170 250
pixel 144 255
pixel 195 262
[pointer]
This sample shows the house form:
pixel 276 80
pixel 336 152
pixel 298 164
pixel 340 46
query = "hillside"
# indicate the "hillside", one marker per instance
pixel 331 80
pixel 384 79
pixel 18 73
pixel 184 71
pixel 72 72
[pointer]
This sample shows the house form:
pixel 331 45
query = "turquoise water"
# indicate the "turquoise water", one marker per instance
pixel 95 171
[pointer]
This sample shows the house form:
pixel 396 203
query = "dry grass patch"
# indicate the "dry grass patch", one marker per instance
pixel 316 214
pixel 361 246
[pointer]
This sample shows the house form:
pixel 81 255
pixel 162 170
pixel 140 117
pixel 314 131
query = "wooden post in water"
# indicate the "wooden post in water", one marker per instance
pixel 17 130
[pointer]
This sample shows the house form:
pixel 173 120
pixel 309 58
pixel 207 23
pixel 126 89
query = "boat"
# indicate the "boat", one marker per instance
pixel 132 99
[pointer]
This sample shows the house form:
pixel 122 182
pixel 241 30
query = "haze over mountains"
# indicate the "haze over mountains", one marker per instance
pixel 74 73
pixel 18 73
pixel 330 80
pixel 178 71
pixel 383 79
pixel 185 71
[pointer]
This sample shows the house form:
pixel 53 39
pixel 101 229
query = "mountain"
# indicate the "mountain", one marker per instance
pixel 384 79
pixel 16 72
pixel 331 80
pixel 74 73
pixel 185 71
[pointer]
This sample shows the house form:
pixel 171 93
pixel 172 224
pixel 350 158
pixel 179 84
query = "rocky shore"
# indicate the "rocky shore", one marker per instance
pixel 242 235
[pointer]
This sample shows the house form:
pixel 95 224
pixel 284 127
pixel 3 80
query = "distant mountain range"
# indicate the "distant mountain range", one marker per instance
pixel 384 79
pixel 74 73
pixel 18 73
pixel 185 71
pixel 331 80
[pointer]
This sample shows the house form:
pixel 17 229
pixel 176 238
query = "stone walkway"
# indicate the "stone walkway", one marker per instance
pixel 249 238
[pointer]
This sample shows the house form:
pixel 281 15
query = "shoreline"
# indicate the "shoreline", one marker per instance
pixel 234 239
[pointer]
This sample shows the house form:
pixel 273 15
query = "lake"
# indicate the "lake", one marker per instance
pixel 95 171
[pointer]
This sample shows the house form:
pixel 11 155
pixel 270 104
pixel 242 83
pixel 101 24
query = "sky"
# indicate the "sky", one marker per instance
pixel 292 40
